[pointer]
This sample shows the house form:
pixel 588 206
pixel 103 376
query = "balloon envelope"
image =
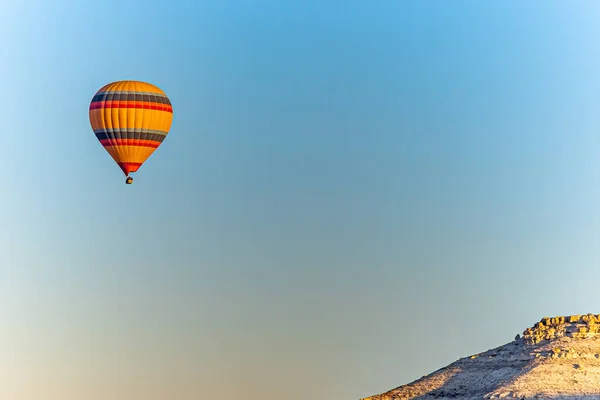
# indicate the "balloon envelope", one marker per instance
pixel 130 119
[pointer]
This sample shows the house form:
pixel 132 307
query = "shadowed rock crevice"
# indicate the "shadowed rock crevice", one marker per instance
pixel 557 358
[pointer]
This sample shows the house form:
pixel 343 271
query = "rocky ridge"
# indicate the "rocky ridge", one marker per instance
pixel 573 326
pixel 557 358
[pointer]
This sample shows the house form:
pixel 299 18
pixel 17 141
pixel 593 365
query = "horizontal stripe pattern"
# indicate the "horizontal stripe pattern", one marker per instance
pixel 131 104
pixel 124 131
pixel 130 134
pixel 129 142
pixel 131 96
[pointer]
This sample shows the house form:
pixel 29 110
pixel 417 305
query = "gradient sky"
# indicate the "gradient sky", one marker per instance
pixel 353 194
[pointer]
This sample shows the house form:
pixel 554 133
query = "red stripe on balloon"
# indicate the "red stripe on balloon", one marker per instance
pixel 131 104
pixel 130 142
pixel 128 167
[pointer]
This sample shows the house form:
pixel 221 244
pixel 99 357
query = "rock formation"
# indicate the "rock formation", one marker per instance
pixel 557 358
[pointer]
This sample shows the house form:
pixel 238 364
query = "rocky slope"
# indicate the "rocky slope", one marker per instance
pixel 558 358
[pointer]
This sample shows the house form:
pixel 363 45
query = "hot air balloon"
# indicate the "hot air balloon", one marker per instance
pixel 130 119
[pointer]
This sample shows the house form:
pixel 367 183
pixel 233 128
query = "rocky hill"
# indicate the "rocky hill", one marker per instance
pixel 557 358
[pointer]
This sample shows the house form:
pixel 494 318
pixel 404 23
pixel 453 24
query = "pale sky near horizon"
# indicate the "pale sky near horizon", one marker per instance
pixel 351 196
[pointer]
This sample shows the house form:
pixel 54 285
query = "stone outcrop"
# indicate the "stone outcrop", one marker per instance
pixel 574 326
pixel 557 358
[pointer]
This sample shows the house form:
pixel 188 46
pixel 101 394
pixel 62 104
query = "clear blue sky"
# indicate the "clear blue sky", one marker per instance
pixel 351 196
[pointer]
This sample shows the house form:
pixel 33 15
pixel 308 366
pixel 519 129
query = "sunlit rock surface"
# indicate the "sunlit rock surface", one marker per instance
pixel 557 358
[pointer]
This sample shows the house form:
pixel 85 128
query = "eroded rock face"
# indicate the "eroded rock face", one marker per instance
pixel 574 326
pixel 557 358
